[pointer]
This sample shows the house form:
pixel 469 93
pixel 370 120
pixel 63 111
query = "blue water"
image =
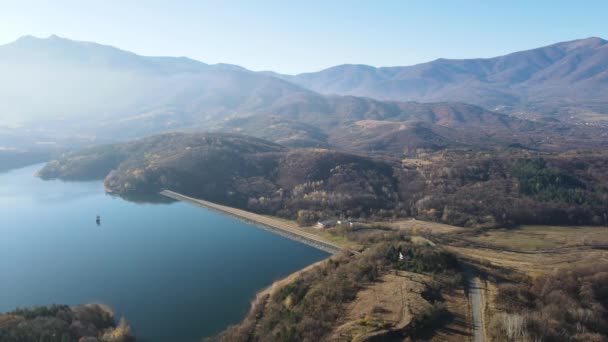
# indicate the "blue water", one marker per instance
pixel 177 272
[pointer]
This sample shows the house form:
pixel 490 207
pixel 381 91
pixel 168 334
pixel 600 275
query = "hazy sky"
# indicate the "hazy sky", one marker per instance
pixel 292 37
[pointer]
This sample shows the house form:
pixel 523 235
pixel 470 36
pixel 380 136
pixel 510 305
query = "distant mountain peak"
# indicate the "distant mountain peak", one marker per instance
pixel 65 51
pixel 560 78
pixel 52 37
pixel 53 40
pixel 591 42
pixel 27 37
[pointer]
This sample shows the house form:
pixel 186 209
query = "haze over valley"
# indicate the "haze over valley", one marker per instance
pixel 102 94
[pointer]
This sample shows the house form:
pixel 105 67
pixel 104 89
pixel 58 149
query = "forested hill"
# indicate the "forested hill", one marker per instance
pixel 477 189
pixel 236 170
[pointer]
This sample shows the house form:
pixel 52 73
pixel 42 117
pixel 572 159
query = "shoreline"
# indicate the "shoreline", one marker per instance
pixel 273 225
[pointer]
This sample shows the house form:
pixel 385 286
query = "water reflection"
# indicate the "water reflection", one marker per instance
pixel 144 198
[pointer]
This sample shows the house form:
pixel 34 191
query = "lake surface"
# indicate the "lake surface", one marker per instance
pixel 177 272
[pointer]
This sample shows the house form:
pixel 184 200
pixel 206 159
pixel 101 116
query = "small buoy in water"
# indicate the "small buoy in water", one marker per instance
pixel 98 220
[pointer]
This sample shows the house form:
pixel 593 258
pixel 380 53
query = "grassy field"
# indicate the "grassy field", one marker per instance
pixel 418 226
pixel 536 238
pixel 534 250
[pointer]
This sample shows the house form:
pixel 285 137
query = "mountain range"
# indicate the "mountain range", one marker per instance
pixel 65 90
pixel 564 78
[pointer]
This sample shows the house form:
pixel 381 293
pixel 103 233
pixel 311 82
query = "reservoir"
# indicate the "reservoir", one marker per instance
pixel 175 271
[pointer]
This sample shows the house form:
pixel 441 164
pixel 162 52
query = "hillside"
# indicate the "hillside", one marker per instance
pixel 507 188
pixel 466 188
pixel 564 78
pixel 101 90
pixel 91 322
pixel 85 93
pixel 235 170
pixel 327 302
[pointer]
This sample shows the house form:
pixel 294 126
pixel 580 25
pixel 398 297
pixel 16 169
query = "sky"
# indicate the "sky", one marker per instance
pixel 304 36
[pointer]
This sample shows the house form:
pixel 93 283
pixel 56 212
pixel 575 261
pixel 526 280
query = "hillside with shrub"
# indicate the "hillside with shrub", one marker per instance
pixel 460 187
pixel 481 189
pixel 239 171
pixel 312 305
pixel 569 304
pixel 62 323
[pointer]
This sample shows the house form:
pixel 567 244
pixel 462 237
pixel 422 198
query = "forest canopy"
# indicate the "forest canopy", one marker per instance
pixel 459 187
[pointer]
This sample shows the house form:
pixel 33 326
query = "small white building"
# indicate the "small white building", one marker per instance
pixel 345 222
pixel 326 224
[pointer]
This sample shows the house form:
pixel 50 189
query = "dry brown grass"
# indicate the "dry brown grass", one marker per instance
pixel 489 304
pixel 534 250
pixel 393 302
pixel 514 266
pixel 458 328
pixel 534 238
pixel 418 226
pixel 390 303
pixel 529 264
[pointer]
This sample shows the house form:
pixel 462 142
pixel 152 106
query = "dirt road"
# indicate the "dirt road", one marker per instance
pixel 475 298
